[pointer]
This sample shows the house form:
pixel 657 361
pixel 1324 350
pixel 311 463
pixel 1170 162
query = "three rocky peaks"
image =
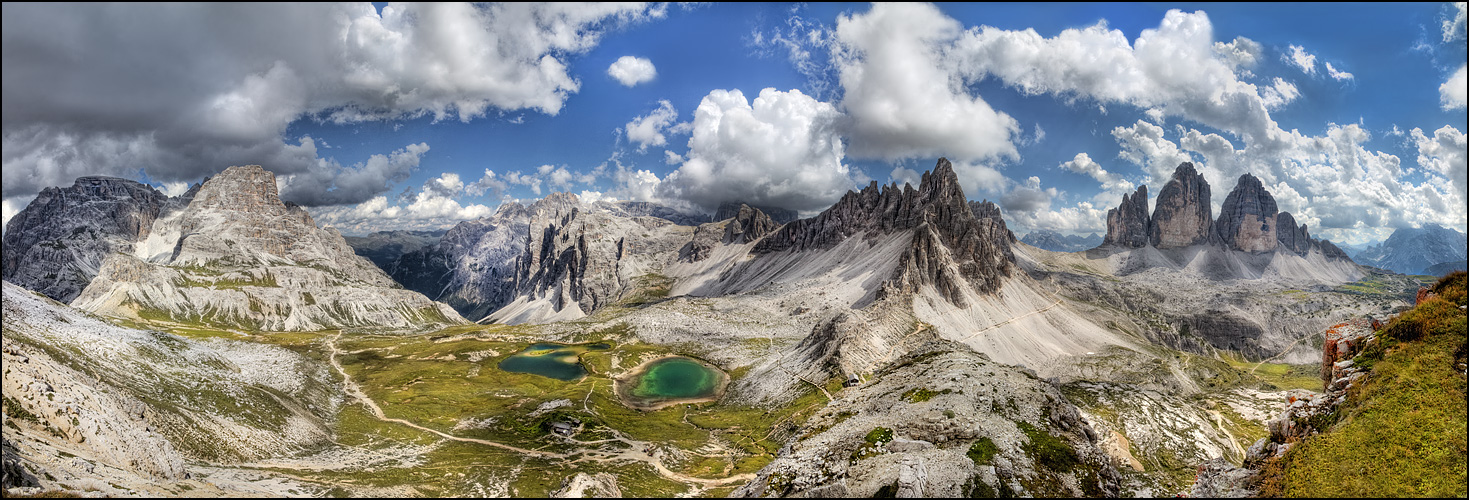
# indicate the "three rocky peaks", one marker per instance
pixel 1249 220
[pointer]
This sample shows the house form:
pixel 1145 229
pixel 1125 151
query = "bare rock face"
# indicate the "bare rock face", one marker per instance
pixel 731 209
pixel 472 268
pixel 706 237
pixel 242 258
pixel 952 246
pixel 1291 237
pixel 1127 225
pixel 749 224
pixel 1298 239
pixel 57 243
pixel 1182 216
pixel 578 256
pixel 1247 221
pixel 878 439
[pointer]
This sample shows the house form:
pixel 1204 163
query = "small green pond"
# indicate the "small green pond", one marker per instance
pixel 550 359
pixel 673 378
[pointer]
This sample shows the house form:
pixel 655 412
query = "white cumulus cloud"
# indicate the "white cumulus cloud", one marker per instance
pixel 248 70
pixel 1452 93
pixel 648 130
pixel 630 70
pixel 781 150
pixel 1301 59
pixel 902 96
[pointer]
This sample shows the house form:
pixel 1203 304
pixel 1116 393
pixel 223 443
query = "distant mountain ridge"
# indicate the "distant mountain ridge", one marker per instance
pixel 1046 239
pixel 1431 249
pixel 227 253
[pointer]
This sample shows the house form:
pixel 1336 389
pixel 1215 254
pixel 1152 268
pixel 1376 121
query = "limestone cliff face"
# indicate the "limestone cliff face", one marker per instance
pixel 237 219
pixel 1182 216
pixel 952 245
pixel 749 224
pixel 242 258
pixel 584 257
pixel 730 209
pixel 1247 219
pixel 472 268
pixel 57 243
pixel 1127 225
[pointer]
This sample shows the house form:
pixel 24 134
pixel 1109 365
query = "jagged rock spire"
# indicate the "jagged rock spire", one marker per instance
pixel 1247 219
pixel 1127 225
pixel 951 247
pixel 1182 216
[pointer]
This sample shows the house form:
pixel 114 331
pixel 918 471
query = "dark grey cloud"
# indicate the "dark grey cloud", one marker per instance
pixel 181 91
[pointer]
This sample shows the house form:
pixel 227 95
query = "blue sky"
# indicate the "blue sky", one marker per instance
pixel 419 116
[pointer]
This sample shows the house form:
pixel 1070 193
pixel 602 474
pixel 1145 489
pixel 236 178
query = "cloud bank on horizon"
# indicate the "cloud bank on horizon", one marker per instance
pixel 418 116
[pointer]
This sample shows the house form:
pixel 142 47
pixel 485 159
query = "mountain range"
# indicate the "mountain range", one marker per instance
pixel 1431 249
pixel 1046 239
pixel 898 320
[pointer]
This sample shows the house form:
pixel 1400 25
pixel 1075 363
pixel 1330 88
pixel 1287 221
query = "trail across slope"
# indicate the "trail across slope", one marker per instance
pixel 636 452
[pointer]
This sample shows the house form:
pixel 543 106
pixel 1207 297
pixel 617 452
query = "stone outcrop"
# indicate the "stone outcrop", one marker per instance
pixel 57 243
pixel 748 224
pixel 878 439
pixel 706 237
pixel 1127 225
pixel 1292 237
pixel 1298 239
pixel 1182 215
pixel 242 258
pixel 1247 218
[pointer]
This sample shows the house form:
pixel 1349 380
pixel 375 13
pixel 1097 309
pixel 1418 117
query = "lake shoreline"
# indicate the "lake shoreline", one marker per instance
pixel 622 386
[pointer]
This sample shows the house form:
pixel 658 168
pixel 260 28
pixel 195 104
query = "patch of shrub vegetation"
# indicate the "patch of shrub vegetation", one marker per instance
pixel 1402 432
pixel 982 451
pixel 875 438
pixel 1048 450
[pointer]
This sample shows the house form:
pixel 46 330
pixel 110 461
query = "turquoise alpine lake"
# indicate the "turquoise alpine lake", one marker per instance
pixel 672 379
pixel 550 359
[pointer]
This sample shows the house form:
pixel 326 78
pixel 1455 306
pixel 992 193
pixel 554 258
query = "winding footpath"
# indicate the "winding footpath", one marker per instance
pixel 636 452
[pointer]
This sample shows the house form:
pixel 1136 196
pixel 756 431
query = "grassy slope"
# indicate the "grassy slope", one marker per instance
pixel 1403 433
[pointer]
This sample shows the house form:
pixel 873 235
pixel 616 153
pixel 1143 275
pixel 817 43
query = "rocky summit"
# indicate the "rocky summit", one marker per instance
pixel 748 224
pixel 1183 216
pixel 1247 218
pixel 953 245
pixel 57 243
pixel 1127 225
pixel 1248 222
pixel 240 257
